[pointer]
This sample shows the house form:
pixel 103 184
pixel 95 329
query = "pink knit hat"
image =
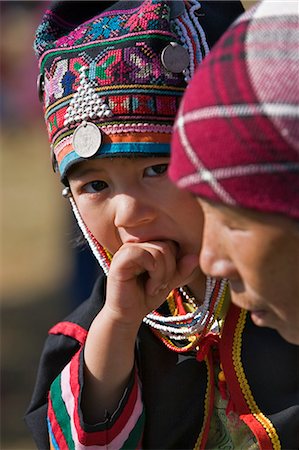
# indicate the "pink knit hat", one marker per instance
pixel 236 138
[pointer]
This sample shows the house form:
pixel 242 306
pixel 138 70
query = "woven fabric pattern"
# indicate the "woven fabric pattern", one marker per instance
pixel 117 54
pixel 236 136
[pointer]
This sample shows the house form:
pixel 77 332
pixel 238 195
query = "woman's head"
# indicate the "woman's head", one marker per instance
pixel 236 137
pixel 236 146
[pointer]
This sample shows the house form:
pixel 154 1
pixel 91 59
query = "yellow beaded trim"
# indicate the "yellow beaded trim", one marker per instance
pixel 265 422
pixel 109 255
pixel 192 341
pixel 219 310
pixel 223 304
pixel 172 304
pixel 206 407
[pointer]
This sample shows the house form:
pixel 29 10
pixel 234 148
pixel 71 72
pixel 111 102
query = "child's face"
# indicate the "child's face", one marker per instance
pixel 132 200
pixel 259 254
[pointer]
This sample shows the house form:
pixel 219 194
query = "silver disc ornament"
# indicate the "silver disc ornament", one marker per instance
pixel 87 139
pixel 175 58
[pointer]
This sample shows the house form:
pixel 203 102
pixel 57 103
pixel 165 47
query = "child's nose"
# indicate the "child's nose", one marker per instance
pixel 131 211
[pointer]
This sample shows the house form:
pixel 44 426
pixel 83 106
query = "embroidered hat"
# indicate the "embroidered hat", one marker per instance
pixel 112 73
pixel 236 137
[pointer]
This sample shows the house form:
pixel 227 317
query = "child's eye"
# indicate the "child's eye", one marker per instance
pixel 156 170
pixel 95 186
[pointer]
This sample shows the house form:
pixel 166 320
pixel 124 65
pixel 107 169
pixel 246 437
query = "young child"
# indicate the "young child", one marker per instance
pixel 247 176
pixel 138 364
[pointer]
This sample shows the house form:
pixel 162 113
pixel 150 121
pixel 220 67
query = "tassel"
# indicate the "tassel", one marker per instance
pixel 208 341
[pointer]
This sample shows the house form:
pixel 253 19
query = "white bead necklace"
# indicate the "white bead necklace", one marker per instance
pixel 174 326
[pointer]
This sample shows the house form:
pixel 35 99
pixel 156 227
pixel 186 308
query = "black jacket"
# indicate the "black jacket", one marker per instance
pixel 261 370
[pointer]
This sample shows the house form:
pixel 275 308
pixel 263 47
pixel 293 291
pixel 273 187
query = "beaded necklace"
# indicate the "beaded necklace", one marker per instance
pixel 184 332
pixel 185 324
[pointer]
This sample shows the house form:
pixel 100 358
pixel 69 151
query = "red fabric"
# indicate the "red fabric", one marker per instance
pixel 237 400
pixel 98 437
pixel 210 340
pixel 70 329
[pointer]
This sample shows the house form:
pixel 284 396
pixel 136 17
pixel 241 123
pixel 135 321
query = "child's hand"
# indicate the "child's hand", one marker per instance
pixel 141 276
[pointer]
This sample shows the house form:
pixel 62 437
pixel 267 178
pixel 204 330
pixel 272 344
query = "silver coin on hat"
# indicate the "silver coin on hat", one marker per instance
pixel 87 139
pixel 40 86
pixel 175 58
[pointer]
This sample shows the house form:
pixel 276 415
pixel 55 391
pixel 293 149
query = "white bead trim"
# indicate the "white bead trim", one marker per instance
pixel 87 236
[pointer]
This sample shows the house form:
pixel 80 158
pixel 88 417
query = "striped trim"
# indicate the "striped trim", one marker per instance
pixel 61 412
pixel 208 404
pixel 55 431
pixel 127 89
pixel 238 386
pixel 261 419
pixel 134 440
pixel 146 148
pixel 65 429
pixel 136 36
pixel 64 102
pixel 52 440
pixel 65 147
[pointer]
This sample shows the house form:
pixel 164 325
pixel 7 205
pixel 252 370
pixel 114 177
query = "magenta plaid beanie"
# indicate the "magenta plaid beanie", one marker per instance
pixel 112 73
pixel 236 138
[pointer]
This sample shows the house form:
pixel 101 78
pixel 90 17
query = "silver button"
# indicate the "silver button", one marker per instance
pixel 53 159
pixel 40 86
pixel 175 58
pixel 87 139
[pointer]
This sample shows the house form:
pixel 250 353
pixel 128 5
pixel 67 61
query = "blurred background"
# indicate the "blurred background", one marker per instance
pixel 39 263
pixel 43 276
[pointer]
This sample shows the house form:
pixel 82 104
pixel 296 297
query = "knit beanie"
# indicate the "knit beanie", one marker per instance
pixel 236 137
pixel 112 73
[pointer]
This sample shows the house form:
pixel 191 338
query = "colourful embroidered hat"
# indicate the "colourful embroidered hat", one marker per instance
pixel 112 73
pixel 236 137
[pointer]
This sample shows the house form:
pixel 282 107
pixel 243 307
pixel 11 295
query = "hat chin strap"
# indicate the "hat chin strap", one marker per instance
pixel 102 256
